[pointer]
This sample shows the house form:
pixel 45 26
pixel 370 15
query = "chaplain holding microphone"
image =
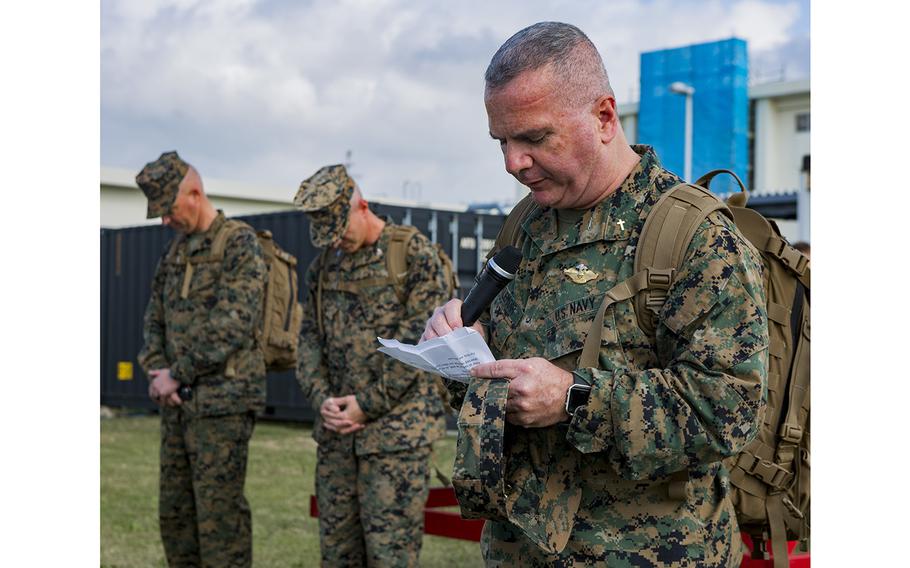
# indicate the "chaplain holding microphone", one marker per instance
pixel 591 440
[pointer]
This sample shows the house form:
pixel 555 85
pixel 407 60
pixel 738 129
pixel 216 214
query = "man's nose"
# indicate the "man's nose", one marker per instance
pixel 516 158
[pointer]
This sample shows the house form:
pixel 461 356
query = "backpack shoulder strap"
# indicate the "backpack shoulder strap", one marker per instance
pixel 171 255
pixel 215 255
pixel 230 227
pixel 665 236
pixel 397 257
pixel 510 232
pixel 320 284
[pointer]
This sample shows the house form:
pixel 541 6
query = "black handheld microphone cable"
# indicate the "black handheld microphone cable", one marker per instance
pixel 499 271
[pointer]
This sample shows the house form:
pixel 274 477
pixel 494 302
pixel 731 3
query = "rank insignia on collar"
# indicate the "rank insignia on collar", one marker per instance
pixel 580 273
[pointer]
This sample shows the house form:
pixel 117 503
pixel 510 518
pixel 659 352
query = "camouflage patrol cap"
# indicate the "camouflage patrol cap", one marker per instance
pixel 159 181
pixel 326 199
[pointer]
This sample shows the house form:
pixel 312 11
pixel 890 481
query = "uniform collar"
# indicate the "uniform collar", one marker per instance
pixel 196 241
pixel 614 218
pixel 216 225
pixel 368 253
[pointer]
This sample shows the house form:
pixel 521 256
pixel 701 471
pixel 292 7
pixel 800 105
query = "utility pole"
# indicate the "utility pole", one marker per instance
pixel 681 88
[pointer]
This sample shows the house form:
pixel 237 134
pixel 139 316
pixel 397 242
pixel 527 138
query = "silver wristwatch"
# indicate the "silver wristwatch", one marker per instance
pixel 576 396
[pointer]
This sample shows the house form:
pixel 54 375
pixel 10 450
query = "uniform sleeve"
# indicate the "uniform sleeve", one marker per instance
pixel 234 312
pixel 707 403
pixel 152 355
pixel 426 289
pixel 312 372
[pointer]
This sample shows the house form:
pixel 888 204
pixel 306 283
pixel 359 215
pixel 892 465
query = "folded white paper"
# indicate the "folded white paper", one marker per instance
pixel 451 355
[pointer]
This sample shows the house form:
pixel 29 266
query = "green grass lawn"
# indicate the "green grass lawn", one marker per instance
pixel 278 486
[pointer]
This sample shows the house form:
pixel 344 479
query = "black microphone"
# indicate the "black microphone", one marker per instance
pixel 499 271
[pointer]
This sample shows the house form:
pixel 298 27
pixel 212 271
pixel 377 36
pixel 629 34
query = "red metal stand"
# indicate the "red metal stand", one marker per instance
pixel 800 560
pixel 439 523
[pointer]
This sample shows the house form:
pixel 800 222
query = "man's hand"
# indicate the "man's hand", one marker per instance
pixel 163 388
pixel 537 390
pixel 445 319
pixel 342 414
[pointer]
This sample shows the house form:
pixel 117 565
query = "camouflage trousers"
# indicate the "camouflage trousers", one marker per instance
pixel 371 506
pixel 203 514
pixel 504 545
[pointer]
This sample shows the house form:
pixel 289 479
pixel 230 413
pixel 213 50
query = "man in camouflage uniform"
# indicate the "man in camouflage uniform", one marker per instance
pixel 632 472
pixel 376 418
pixel 207 373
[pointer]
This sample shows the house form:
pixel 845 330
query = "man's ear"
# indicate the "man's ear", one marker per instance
pixel 194 193
pixel 607 118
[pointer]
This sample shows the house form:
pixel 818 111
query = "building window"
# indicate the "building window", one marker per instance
pixel 802 122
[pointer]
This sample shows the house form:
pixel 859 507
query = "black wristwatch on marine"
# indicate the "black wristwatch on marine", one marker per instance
pixel 577 395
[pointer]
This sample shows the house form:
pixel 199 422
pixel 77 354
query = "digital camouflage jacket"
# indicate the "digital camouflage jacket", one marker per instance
pixel 679 401
pixel 204 330
pixel 402 405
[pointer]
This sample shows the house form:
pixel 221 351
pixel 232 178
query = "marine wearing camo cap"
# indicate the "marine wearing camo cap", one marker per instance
pixel 372 480
pixel 326 199
pixel 200 331
pixel 159 181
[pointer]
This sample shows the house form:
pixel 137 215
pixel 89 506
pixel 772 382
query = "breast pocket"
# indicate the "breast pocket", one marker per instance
pixel 203 279
pixel 383 308
pixel 569 329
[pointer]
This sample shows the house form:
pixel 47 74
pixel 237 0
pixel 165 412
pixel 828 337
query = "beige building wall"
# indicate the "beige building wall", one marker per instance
pixel 124 205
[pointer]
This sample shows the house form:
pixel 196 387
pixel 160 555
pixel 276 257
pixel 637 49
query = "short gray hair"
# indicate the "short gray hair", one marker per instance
pixel 573 57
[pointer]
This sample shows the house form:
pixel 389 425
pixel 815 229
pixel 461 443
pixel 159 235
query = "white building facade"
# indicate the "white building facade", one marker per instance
pixel 780 145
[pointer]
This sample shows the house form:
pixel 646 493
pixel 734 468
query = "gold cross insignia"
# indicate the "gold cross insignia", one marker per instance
pixel 622 225
pixel 580 273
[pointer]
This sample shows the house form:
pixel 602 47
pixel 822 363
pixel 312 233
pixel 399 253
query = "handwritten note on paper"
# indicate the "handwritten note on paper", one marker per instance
pixel 451 355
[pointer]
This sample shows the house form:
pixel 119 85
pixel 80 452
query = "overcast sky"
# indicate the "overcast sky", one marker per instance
pixel 265 92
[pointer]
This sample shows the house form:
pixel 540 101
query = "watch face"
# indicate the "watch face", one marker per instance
pixel 577 396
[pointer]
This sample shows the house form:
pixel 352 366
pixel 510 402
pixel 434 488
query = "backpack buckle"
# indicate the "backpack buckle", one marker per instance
pixel 789 256
pixel 792 508
pixel 791 433
pixel 660 278
pixel 769 472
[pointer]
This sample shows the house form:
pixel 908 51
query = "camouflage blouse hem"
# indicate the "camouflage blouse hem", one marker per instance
pixel 370 402
pixel 182 371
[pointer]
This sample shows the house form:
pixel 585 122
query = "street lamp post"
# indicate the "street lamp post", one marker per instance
pixel 681 88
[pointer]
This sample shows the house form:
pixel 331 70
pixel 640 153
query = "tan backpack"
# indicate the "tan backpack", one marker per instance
pixel 770 477
pixel 397 261
pixel 279 325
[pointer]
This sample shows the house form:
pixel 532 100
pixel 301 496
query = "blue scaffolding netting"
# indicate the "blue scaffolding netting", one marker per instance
pixel 719 73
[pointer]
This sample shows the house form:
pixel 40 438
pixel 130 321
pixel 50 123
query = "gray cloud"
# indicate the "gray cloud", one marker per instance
pixel 265 92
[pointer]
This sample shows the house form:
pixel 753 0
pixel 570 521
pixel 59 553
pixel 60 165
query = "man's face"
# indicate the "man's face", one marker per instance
pixel 183 215
pixel 356 232
pixel 548 146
